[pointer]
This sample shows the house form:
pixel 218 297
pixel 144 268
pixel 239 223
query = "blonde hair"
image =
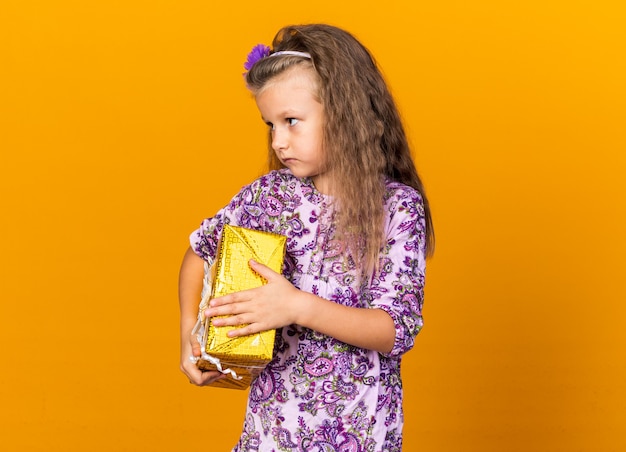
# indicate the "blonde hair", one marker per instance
pixel 364 140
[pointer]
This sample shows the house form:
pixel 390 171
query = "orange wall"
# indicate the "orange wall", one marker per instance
pixel 124 123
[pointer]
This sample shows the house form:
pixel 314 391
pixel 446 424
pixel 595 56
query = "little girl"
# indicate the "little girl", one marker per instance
pixel 344 191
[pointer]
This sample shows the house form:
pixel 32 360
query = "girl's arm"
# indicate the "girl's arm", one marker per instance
pixel 189 290
pixel 366 328
pixel 279 303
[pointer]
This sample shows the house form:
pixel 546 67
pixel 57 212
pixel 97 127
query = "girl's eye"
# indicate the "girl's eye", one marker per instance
pixel 270 125
pixel 292 121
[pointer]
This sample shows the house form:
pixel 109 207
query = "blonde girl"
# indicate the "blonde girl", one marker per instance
pixel 344 190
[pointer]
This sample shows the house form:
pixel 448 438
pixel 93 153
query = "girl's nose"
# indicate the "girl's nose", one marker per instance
pixel 279 139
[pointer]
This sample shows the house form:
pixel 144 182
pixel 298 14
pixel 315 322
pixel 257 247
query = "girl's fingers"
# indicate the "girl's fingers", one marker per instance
pixel 233 320
pixel 222 307
pixel 244 331
pixel 205 378
pixel 195 348
pixel 262 270
pixel 235 297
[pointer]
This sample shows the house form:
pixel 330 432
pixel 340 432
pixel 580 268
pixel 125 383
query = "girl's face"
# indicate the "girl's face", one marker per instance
pixel 290 107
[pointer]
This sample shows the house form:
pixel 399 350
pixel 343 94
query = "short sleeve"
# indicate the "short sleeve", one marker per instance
pixel 398 286
pixel 205 239
pixel 250 208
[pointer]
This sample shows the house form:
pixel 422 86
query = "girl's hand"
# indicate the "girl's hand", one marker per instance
pixel 268 307
pixel 189 368
pixel 189 290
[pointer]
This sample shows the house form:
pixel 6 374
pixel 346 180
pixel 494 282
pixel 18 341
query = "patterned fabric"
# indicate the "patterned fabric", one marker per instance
pixel 320 394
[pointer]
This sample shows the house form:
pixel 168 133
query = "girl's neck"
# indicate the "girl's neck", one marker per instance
pixel 322 183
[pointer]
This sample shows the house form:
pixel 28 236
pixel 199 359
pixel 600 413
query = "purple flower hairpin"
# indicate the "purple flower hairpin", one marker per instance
pixel 257 53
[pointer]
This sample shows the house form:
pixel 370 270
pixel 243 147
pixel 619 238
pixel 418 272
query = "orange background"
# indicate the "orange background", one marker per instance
pixel 124 123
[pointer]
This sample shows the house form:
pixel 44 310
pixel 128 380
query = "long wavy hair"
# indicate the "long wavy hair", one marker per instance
pixel 364 140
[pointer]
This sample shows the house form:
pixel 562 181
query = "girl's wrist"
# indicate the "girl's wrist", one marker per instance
pixel 305 306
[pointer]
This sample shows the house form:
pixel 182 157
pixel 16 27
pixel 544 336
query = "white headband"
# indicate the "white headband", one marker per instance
pixel 291 52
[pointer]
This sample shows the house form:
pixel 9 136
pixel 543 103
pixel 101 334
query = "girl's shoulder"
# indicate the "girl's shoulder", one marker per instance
pixel 275 178
pixel 282 183
pixel 404 207
pixel 397 191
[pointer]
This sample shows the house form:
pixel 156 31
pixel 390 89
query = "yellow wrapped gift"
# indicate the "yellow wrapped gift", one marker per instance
pixel 242 358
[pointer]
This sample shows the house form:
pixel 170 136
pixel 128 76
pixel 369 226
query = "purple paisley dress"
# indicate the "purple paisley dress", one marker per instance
pixel 320 394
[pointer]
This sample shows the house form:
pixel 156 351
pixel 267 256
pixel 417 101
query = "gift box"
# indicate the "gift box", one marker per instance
pixel 241 358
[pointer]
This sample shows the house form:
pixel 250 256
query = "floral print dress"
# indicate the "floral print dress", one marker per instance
pixel 320 394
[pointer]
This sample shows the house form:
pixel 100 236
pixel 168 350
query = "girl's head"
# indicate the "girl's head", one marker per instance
pixel 348 86
pixel 362 136
pixel 290 106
